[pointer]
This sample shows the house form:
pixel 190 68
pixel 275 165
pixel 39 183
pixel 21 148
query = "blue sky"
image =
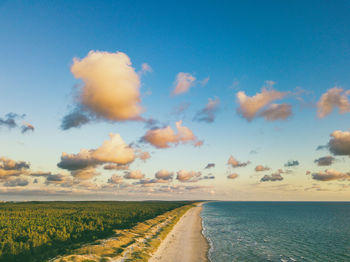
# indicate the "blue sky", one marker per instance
pixel 237 44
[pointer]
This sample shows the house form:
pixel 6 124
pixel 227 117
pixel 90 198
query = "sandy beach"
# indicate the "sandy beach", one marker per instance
pixel 185 242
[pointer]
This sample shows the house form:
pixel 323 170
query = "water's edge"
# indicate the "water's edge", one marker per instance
pixel 205 235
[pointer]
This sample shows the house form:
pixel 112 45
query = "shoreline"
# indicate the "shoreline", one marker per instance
pixel 186 241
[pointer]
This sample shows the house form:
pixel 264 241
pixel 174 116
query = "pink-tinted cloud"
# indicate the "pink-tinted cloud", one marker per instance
pixel 277 112
pixel 232 176
pixel 251 107
pixel 330 174
pixel 134 174
pixel 235 163
pixel 335 97
pixel 164 174
pixel 110 88
pixel 208 113
pixel 114 150
pixel 260 168
pixel 188 176
pixel 164 137
pixel 184 81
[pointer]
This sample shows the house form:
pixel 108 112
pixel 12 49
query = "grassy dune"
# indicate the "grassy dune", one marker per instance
pixel 135 244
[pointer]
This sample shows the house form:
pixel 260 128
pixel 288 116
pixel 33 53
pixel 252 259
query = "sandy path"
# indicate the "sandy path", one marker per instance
pixel 185 242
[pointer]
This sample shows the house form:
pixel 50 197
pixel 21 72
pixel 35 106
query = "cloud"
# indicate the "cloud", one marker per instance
pixel 116 167
pixel 146 68
pixel 110 89
pixel 292 163
pixel 84 174
pixel 9 167
pixel 27 127
pixel 210 165
pixel 208 177
pixel 329 175
pixel 339 144
pixel 164 174
pixel 115 179
pixel 205 81
pixel 134 174
pixel 144 156
pixel 10 121
pixel 181 108
pixel 188 176
pixel 232 176
pixel 235 163
pixel 163 137
pixel 183 83
pixel 251 107
pixel 260 168
pixel 325 161
pixel 76 118
pixel 59 179
pixel 114 150
pixel 277 112
pixel 334 98
pixel 16 182
pixel 207 114
pixel 272 177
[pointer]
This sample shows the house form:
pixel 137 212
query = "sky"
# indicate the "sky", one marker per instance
pixel 131 100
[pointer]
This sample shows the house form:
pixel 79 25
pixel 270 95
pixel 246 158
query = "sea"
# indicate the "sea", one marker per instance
pixel 277 231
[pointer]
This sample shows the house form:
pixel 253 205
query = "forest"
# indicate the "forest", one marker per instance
pixel 38 231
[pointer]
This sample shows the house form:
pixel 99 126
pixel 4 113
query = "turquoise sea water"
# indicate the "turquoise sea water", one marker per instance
pixel 277 231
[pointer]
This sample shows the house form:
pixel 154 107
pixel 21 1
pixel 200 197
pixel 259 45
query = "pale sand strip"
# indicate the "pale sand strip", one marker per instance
pixel 185 242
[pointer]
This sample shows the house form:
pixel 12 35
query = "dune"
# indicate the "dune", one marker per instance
pixel 185 242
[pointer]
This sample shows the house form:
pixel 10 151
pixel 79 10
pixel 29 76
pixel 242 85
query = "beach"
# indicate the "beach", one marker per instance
pixel 185 242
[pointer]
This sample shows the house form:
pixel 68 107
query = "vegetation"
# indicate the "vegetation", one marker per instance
pixel 36 231
pixel 136 244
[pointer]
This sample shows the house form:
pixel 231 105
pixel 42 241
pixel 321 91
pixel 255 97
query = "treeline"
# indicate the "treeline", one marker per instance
pixel 36 231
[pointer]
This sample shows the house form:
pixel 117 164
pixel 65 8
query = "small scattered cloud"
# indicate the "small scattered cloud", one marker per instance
pixel 335 97
pixel 183 82
pixel 115 167
pixel 113 151
pixel 260 168
pixel 260 105
pixel 146 68
pixel 9 167
pixel 329 175
pixel 11 119
pixel 210 165
pixel 76 118
pixel 115 179
pixel 181 108
pixel 235 163
pixel 232 176
pixel 205 81
pixel 188 176
pixel 85 174
pixel 26 127
pixel 164 174
pixel 13 182
pixel 208 113
pixel 292 163
pixel 339 144
pixel 144 156
pixel 325 161
pixel 134 174
pixel 277 112
pixel 272 177
pixel 164 137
